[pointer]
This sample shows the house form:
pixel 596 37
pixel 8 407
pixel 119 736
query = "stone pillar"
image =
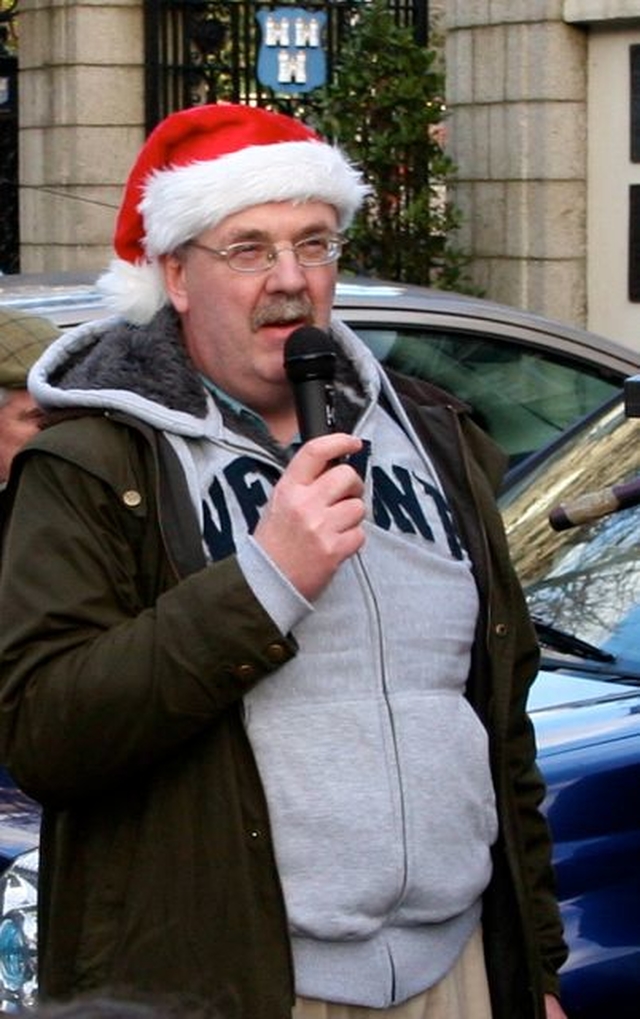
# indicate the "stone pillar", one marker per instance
pixel 516 92
pixel 81 95
pixel 612 28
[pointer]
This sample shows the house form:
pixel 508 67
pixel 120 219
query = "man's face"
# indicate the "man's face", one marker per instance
pixel 18 423
pixel 235 324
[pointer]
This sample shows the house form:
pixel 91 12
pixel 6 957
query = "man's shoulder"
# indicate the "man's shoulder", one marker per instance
pixel 104 445
pixel 421 397
pixel 81 433
pixel 425 393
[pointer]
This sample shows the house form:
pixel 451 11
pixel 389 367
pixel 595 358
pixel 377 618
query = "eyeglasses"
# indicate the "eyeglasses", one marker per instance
pixel 259 256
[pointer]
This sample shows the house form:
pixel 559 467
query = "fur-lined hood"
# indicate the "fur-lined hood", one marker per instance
pixel 145 371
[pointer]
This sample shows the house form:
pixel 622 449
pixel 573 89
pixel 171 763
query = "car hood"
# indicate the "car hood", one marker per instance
pixel 19 821
pixel 569 710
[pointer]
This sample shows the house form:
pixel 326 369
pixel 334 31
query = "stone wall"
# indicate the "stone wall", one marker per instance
pixel 516 92
pixel 81 124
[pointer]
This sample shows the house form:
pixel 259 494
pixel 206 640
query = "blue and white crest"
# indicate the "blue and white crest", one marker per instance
pixel 291 57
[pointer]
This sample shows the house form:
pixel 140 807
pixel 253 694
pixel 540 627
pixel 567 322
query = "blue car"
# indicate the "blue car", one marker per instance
pixel 588 733
pixel 583 589
pixel 19 831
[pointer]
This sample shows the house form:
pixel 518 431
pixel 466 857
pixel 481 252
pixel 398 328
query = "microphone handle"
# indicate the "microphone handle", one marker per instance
pixel 593 505
pixel 314 407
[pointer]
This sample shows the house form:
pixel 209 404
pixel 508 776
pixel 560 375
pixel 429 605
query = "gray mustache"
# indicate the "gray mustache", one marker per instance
pixel 285 310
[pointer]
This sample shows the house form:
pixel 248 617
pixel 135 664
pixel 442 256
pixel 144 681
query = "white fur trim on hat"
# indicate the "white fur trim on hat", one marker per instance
pixel 136 292
pixel 180 203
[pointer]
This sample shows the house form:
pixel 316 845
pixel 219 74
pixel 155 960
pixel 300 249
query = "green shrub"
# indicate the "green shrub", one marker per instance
pixel 384 107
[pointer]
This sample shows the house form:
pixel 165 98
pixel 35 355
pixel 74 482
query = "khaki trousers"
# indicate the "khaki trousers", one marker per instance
pixel 462 994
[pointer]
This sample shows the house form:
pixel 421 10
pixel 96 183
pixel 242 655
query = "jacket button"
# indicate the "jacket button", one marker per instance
pixel 276 653
pixel 246 671
pixel 131 498
pixel 501 629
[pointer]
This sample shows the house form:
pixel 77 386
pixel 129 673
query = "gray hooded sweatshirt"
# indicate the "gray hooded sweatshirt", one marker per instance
pixel 374 764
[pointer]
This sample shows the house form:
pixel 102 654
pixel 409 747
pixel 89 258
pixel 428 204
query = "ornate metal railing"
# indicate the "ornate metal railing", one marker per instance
pixel 203 51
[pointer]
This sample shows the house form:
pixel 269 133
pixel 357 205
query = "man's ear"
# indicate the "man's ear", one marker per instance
pixel 173 270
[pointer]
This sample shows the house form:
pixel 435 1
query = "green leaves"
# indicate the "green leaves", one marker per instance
pixel 385 108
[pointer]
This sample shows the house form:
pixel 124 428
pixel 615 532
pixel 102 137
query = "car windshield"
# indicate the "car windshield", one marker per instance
pixel 522 396
pixel 584 580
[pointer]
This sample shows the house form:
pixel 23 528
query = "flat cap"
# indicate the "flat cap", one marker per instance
pixel 23 338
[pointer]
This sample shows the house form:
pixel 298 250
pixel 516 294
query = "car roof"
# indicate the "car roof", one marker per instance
pixel 65 298
pixel 474 313
pixel 68 298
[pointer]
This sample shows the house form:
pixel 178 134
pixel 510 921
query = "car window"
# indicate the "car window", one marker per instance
pixel 524 398
pixel 586 579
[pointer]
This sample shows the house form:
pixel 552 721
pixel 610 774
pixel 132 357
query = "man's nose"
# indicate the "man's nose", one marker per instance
pixel 286 272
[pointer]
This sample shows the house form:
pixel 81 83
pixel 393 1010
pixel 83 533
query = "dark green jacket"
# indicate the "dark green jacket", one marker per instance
pixel 123 663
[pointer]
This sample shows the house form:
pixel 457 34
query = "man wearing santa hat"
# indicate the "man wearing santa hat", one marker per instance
pixel 270 694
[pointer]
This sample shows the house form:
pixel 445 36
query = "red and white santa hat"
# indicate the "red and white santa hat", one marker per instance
pixel 202 164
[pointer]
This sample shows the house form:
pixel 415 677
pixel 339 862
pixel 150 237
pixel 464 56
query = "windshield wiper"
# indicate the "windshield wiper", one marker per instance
pixel 568 644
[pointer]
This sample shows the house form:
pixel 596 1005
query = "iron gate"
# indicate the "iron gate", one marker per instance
pixel 204 51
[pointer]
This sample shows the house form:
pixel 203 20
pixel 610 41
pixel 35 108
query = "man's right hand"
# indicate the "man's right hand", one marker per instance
pixel 313 521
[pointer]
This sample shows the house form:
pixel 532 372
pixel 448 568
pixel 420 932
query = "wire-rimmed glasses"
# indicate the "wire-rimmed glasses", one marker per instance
pixel 259 256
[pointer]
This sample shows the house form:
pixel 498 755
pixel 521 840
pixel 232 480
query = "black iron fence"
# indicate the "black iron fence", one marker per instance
pixel 204 51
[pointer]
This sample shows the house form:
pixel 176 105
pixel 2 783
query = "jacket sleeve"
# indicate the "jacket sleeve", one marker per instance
pixel 521 789
pixel 529 839
pixel 520 907
pixel 98 681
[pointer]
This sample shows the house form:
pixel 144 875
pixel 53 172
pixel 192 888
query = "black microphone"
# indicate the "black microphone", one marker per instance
pixel 593 505
pixel 310 364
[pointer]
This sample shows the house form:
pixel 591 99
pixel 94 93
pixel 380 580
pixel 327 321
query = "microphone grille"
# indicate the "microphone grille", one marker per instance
pixel 309 353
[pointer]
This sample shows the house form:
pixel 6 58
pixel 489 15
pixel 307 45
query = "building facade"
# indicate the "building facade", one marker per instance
pixel 544 127
pixel 543 108
pixel 81 121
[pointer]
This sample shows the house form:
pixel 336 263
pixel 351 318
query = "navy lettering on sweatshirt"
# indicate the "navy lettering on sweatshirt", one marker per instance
pixel 402 502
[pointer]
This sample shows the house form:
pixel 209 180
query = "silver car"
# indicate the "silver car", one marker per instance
pixel 526 377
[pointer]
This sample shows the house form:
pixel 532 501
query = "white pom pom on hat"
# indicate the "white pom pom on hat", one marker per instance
pixel 202 164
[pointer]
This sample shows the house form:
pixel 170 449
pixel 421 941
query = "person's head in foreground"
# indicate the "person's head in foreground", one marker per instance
pixel 23 338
